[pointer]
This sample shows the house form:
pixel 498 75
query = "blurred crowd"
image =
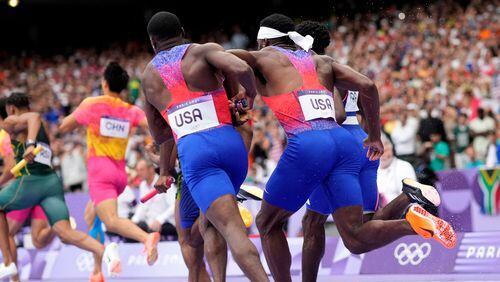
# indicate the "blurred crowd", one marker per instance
pixel 436 68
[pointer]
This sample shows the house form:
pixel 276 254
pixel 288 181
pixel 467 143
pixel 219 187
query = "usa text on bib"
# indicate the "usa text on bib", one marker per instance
pixel 193 116
pixel 316 104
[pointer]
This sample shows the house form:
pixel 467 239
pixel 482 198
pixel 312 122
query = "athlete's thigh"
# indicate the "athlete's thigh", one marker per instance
pixel 296 175
pixel 37 225
pixel 368 182
pixel 207 189
pixel 318 201
pixel 233 158
pixel 188 211
pixel 15 224
pixel 342 186
pixel 18 195
pixel 52 198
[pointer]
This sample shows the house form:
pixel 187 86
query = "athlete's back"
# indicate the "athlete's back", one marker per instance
pixel 186 102
pixel 109 121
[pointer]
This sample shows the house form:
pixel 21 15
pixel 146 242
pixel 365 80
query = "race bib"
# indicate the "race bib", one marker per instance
pixel 193 116
pixel 316 104
pixel 114 127
pixel 351 104
pixel 45 156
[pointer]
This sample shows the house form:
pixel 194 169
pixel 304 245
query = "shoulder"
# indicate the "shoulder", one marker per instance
pixel 91 100
pixel 197 49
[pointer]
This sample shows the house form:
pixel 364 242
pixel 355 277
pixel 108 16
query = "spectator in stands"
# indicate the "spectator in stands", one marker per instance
pixel 128 200
pixel 73 167
pixel 440 152
pixel 471 161
pixel 431 124
pixel 157 214
pixel 461 140
pixel 404 136
pixel 391 172
pixel 481 128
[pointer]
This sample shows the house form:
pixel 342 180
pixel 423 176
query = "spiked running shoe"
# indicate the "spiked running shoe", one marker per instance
pixel 424 195
pixel 427 226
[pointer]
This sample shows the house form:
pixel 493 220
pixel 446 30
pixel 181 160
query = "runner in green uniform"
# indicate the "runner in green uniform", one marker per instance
pixel 40 185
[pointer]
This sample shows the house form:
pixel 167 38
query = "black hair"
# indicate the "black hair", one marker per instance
pixel 19 100
pixel 164 25
pixel 318 31
pixel 116 77
pixel 281 23
pixel 3 110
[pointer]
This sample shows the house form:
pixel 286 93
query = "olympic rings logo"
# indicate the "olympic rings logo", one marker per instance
pixel 412 254
pixel 85 262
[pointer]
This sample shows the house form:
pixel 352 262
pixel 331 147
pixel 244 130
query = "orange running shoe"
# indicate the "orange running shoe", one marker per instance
pixel 150 247
pixel 99 277
pixel 427 226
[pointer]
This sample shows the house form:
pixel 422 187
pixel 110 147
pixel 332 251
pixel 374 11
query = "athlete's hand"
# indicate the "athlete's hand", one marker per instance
pixel 163 183
pixel 240 109
pixel 29 156
pixel 375 148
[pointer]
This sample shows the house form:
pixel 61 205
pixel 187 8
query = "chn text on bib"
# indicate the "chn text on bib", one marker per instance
pixel 114 127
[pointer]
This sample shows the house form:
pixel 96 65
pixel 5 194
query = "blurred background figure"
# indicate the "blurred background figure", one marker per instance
pixel 404 135
pixel 481 128
pixel 440 152
pixel 391 172
pixel 157 214
pixel 73 167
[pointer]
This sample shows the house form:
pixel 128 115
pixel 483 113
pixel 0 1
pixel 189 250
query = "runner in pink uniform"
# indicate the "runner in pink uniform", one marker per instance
pixel 109 121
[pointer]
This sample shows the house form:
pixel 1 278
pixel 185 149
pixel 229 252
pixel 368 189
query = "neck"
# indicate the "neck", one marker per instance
pixel 170 43
pixel 285 45
pixel 21 111
pixel 112 94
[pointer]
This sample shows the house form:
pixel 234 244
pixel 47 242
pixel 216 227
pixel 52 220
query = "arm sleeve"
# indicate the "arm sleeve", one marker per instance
pixel 83 113
pixel 138 115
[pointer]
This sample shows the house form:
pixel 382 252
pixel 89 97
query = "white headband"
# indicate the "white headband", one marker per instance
pixel 305 42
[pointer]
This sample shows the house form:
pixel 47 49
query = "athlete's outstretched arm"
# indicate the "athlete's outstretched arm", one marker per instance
pixel 29 122
pixel 233 68
pixel 347 78
pixel 68 124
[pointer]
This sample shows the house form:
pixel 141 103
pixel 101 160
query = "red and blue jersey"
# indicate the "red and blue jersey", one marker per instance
pixel 309 107
pixel 189 111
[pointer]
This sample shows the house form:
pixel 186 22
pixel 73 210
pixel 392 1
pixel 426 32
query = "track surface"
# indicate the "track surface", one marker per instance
pixel 345 278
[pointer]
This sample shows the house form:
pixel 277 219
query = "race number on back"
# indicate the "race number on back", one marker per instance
pixel 114 127
pixel 351 104
pixel 316 104
pixel 45 156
